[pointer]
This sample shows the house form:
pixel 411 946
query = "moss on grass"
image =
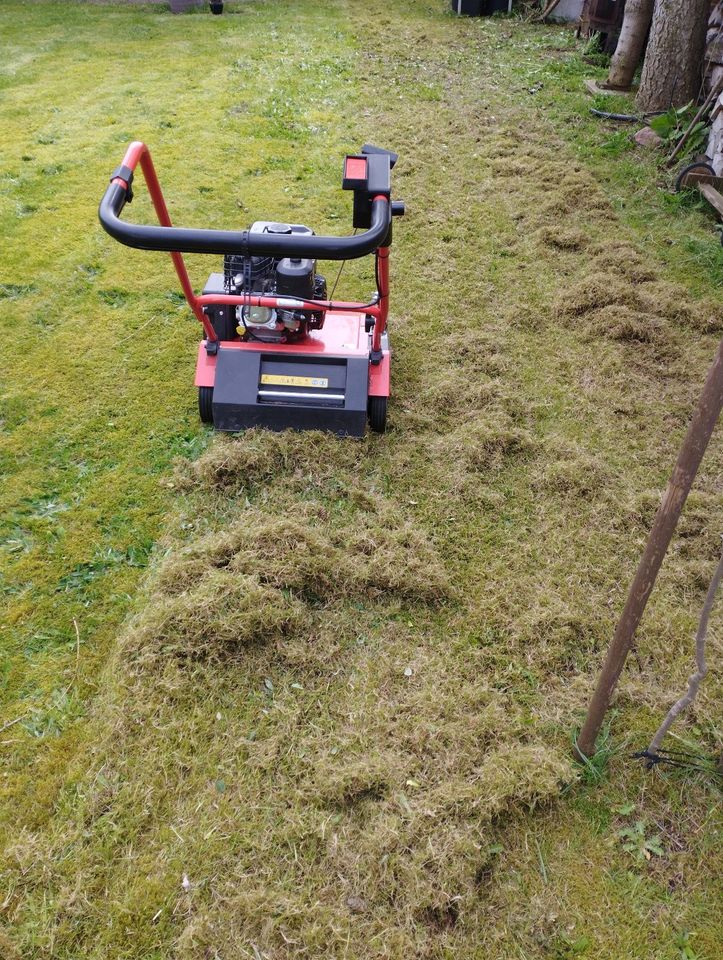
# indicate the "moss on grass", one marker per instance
pixel 337 722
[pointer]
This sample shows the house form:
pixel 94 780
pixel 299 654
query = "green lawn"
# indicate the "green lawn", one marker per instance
pixel 290 696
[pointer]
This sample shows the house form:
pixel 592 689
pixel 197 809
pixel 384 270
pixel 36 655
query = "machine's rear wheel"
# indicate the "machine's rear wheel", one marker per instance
pixel 377 412
pixel 205 404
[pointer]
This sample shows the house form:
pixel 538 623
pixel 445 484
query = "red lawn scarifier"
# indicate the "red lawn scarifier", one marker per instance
pixel 276 352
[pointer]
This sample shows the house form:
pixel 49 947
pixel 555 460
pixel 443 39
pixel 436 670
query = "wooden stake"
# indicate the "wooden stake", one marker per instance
pixel 691 453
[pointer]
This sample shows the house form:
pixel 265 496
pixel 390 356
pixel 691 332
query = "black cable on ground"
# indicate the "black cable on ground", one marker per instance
pixel 624 117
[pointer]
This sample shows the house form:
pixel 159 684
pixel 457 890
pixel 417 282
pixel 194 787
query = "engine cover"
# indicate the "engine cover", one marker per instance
pixel 291 277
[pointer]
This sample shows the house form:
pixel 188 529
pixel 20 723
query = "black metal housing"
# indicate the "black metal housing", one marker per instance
pixel 295 278
pixel 378 183
pixel 222 316
pixel 241 401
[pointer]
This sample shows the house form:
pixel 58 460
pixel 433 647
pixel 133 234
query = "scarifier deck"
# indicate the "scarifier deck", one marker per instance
pixel 322 383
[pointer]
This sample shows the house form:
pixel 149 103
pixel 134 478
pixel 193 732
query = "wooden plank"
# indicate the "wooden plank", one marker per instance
pixel 714 198
pixel 595 88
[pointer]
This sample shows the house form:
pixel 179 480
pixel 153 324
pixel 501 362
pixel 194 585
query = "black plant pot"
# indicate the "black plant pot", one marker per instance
pixel 216 8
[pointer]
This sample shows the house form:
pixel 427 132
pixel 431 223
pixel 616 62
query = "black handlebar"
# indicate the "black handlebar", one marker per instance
pixel 243 242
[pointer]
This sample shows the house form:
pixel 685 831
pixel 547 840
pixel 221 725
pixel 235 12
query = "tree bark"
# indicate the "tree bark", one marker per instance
pixel 674 58
pixel 634 31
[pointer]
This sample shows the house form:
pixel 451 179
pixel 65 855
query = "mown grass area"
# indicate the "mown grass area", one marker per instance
pixel 334 718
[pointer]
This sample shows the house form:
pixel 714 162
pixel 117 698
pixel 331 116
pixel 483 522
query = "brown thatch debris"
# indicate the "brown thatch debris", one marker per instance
pixel 231 465
pixel 577 474
pixel 624 325
pixel 481 354
pixel 562 238
pixel 263 579
pixel 644 305
pixel 315 558
pixel 347 784
pixel 8 950
pixel 593 292
pixel 620 258
pixel 222 615
pixel 484 443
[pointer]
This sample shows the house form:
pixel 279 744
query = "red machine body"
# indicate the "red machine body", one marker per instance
pixel 316 363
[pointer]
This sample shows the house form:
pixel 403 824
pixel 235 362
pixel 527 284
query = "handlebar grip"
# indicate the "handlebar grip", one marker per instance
pixel 245 243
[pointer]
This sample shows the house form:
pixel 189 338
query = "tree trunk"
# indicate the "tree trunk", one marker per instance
pixel 638 14
pixel 674 59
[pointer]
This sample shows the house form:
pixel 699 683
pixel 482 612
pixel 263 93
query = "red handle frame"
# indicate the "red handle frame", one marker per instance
pixel 138 152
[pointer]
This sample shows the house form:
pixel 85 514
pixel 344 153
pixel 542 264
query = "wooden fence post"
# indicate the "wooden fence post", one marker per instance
pixel 691 453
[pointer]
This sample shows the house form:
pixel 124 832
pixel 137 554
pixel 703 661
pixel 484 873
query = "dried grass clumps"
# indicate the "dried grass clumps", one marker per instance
pixel 424 847
pixel 505 165
pixel 222 614
pixel 708 318
pixel 622 259
pixel 637 512
pixel 347 785
pixel 456 726
pixel 475 354
pixel 699 528
pixel 260 457
pixel 266 579
pixel 454 396
pixel 196 939
pixel 400 562
pixel 27 853
pixel 631 306
pixel 473 382
pixel 515 775
pixel 562 639
pixel 669 301
pixel 623 325
pixel 316 559
pixel 482 444
pixel 562 238
pixel 696 546
pixel 594 292
pixel 615 308
pixel 575 475
pixel 8 950
pixel 630 279
pixel 572 192
pixel 505 143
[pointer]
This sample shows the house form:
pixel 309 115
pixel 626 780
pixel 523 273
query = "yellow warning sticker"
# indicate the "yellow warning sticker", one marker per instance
pixel 280 380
